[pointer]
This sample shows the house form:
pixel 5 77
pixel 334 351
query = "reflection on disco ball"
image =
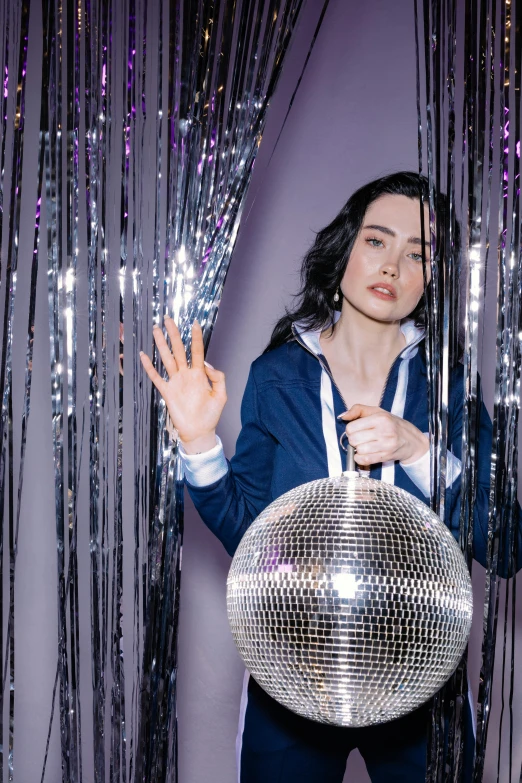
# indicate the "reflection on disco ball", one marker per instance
pixel 349 601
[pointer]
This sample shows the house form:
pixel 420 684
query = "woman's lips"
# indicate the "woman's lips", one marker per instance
pixel 383 292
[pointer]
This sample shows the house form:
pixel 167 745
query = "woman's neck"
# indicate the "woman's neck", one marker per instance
pixel 367 346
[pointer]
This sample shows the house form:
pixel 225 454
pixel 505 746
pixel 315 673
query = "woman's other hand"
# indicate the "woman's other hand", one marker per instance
pixel 195 396
pixel 379 436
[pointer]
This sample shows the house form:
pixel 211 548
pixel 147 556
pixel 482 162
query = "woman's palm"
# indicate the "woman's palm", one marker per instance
pixel 195 395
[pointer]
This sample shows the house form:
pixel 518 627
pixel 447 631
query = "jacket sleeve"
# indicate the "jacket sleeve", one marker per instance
pixel 481 505
pixel 229 505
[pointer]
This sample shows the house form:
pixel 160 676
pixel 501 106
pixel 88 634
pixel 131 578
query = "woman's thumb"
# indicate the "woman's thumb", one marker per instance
pixel 216 376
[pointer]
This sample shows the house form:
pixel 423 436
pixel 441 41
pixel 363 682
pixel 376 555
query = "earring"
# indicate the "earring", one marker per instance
pixel 336 296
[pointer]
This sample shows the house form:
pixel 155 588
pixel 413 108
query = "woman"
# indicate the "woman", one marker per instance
pixel 349 357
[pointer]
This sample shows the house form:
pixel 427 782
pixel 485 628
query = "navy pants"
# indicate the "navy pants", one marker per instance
pixel 281 747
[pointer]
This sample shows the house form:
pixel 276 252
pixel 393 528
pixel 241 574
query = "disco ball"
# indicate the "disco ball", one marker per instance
pixel 349 601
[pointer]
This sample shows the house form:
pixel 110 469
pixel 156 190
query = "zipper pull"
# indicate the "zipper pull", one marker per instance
pixel 351 467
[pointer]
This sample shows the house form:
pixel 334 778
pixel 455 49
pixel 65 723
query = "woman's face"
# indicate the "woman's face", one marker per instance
pixel 383 278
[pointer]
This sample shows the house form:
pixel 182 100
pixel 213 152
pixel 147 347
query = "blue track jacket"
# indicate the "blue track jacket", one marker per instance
pixel 290 435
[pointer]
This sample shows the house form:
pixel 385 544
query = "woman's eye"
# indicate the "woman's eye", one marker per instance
pixel 374 242
pixel 416 256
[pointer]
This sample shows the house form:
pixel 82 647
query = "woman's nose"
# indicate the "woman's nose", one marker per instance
pixel 390 268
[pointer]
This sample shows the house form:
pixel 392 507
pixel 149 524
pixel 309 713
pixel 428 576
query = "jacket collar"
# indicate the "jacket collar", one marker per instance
pixel 309 338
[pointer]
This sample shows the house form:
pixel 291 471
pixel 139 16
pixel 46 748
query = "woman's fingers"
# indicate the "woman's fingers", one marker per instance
pixel 371 440
pixel 361 436
pixel 373 421
pixel 378 436
pixel 177 360
pixel 164 351
pixel 153 374
pixel 198 349
pixel 370 459
pixel 178 349
pixel 367 446
pixel 358 411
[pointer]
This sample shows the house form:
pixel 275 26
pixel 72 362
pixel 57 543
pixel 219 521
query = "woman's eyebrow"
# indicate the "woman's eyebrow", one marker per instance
pixel 384 230
pixel 418 241
pixel 391 233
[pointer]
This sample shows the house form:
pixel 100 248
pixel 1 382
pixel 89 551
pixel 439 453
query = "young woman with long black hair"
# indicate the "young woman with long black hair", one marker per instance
pixel 350 356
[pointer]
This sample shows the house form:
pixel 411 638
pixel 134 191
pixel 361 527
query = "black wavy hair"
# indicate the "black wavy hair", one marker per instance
pixel 324 264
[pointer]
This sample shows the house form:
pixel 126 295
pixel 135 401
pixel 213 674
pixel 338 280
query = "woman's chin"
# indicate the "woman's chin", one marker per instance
pixel 383 315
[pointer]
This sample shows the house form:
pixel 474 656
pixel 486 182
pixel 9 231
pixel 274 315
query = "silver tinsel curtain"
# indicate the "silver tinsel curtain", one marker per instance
pixel 128 136
pixel 469 55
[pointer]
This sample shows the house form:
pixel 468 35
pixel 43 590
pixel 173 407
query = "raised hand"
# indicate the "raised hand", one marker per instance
pixel 195 396
pixel 379 436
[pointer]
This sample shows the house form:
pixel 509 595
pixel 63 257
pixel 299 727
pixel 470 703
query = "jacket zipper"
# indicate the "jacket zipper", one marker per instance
pixel 328 372
pixel 324 367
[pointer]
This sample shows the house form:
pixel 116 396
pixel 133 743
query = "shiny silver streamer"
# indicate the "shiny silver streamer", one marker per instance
pixel 8 276
pixel 61 265
pixel 72 11
pixel 97 75
pixel 503 497
pixel 481 175
pixel 4 94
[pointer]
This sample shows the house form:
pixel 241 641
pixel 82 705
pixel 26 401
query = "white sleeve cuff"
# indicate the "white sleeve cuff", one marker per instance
pixel 206 468
pixel 453 468
pixel 419 471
